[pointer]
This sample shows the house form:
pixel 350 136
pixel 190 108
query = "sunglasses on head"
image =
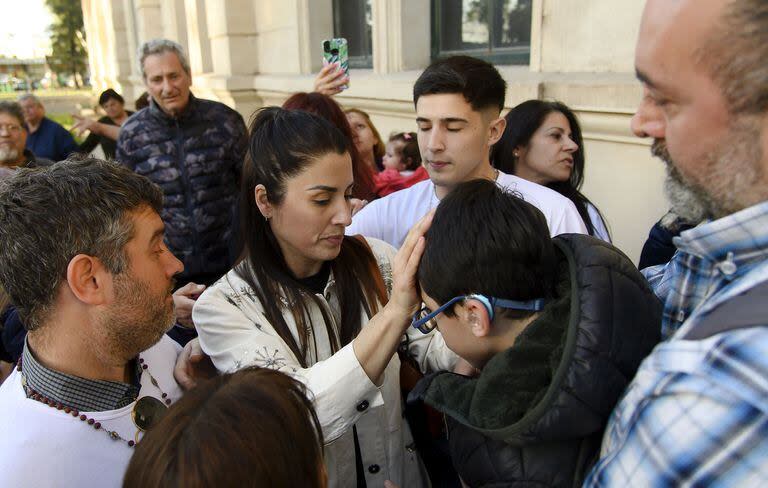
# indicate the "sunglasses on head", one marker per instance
pixel 424 319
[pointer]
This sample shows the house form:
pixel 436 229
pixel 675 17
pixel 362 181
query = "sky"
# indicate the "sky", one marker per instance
pixel 23 25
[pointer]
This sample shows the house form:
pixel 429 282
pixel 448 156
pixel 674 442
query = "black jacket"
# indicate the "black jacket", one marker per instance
pixel 196 159
pixel 536 413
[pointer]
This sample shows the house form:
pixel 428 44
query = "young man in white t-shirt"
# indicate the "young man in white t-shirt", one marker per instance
pixel 458 111
pixel 83 259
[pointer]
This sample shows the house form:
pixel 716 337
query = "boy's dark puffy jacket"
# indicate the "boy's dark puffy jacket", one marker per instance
pixel 536 413
pixel 196 159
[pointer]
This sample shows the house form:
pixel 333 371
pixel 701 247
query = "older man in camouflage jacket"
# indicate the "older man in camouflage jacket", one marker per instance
pixel 193 149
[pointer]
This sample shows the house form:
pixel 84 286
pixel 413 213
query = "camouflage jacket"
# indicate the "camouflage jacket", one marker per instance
pixel 196 159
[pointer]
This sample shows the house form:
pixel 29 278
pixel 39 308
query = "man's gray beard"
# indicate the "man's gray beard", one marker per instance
pixel 8 155
pixel 730 178
pixel 685 201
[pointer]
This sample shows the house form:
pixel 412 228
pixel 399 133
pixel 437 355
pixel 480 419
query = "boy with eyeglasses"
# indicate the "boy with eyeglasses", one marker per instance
pixel 555 326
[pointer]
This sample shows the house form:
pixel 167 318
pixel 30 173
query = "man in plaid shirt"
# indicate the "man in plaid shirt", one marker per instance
pixel 697 411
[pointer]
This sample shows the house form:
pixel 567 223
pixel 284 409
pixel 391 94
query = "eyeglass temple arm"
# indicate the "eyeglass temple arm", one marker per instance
pixel 531 305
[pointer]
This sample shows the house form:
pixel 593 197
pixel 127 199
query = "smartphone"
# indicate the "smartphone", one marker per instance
pixel 335 50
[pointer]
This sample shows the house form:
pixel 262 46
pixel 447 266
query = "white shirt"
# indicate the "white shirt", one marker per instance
pixel 390 218
pixel 41 446
pixel 601 230
pixel 235 333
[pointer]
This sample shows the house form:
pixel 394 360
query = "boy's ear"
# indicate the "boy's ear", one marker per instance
pixel 476 316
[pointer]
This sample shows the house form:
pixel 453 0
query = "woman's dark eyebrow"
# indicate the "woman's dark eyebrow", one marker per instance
pixel 323 188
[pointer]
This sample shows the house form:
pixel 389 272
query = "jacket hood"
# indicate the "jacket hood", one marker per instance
pixel 567 370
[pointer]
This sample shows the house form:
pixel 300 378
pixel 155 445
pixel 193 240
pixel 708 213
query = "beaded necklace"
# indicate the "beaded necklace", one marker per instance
pixel 146 410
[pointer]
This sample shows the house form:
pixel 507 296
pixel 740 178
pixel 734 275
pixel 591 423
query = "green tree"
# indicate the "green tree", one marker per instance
pixel 69 55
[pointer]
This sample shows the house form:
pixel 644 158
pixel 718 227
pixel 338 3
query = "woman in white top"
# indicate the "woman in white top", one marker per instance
pixel 542 143
pixel 330 310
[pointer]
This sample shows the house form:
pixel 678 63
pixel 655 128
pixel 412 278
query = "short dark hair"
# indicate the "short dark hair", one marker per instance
pixel 51 214
pixel 478 81
pixel 255 427
pixel 14 110
pixel 488 241
pixel 110 94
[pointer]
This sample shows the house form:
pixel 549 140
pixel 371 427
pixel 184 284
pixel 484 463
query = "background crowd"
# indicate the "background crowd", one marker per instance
pixel 299 302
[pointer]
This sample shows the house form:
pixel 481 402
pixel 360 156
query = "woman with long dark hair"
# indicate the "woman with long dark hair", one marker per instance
pixel 542 143
pixel 326 308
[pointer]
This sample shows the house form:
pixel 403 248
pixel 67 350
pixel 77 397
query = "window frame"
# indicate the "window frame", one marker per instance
pixel 519 56
pixel 358 62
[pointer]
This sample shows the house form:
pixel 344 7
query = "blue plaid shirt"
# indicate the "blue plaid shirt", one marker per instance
pixel 697 411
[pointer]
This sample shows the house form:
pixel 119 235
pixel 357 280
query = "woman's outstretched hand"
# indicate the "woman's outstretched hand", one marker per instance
pixel 405 289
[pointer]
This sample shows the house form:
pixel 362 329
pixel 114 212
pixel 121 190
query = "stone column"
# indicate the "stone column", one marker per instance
pixel 224 50
pixel 110 47
pixel 401 35
pixel 149 20
pixel 199 44
pixel 92 33
pixel 174 22
pixel 315 23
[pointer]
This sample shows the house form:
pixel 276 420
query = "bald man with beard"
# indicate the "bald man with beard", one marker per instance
pixel 696 413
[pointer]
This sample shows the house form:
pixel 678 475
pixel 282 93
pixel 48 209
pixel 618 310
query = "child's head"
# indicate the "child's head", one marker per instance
pixel 402 152
pixel 486 241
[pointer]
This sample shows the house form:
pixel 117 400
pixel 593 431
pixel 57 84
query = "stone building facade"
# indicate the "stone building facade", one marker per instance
pixel 251 53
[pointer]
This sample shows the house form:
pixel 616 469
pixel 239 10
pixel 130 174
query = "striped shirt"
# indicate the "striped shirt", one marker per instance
pixel 697 411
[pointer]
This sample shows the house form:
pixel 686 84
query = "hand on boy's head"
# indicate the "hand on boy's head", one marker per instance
pixel 405 289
